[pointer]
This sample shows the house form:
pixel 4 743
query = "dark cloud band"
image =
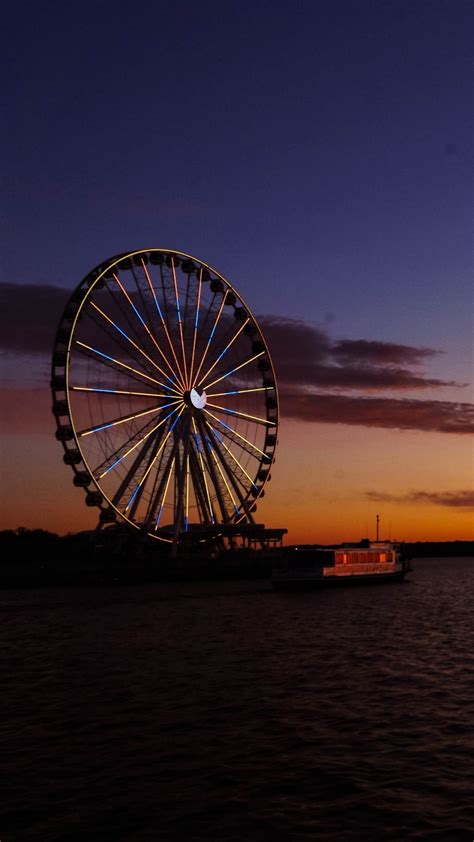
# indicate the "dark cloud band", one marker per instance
pixel 450 499
pixel 306 360
pixel 402 414
pixel 306 356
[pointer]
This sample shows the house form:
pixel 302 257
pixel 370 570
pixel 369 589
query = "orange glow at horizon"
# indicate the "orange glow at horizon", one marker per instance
pixel 323 472
pixel 317 491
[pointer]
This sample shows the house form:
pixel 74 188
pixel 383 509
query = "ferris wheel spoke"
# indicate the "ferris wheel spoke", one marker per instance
pixel 134 500
pixel 158 473
pixel 122 419
pixel 218 359
pixel 137 497
pixel 139 488
pixel 115 362
pixel 138 284
pixel 119 341
pixel 186 304
pixel 162 318
pixel 233 457
pixel 196 480
pixel 147 444
pixel 211 335
pixel 238 414
pixel 163 290
pixel 186 495
pixel 209 310
pixel 239 391
pixel 232 438
pixel 111 456
pixel 222 474
pixel 200 465
pixel 131 341
pixel 165 492
pixel 146 327
pixel 135 327
pixel 196 327
pixel 239 435
pixel 134 447
pixel 180 324
pixel 117 303
pixel 97 390
pixel 182 503
pixel 232 480
pixel 233 370
pixel 163 471
pixel 210 461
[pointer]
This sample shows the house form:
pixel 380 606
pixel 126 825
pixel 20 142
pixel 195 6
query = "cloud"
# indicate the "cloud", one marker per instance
pixel 380 353
pixel 450 499
pixel 356 377
pixel 402 414
pixel 305 356
pixel 27 410
pixel 308 365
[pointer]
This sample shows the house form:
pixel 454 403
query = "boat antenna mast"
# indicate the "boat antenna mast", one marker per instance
pixel 377 528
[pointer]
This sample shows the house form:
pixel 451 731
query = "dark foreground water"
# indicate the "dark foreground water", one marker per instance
pixel 227 712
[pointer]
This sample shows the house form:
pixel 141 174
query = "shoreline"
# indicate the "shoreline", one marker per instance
pixel 86 570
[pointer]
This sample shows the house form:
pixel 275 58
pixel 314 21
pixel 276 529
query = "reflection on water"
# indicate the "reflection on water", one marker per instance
pixel 227 711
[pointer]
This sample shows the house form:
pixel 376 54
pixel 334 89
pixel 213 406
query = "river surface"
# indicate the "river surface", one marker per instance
pixel 224 711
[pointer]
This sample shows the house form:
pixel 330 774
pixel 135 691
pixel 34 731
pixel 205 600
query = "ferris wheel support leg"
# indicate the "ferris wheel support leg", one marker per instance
pixel 153 511
pixel 207 516
pixel 181 482
pixel 213 474
pixel 138 495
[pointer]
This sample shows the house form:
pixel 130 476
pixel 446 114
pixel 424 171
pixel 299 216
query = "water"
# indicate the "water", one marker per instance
pixel 225 711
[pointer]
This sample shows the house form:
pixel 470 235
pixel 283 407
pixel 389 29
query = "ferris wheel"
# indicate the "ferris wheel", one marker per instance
pixel 164 395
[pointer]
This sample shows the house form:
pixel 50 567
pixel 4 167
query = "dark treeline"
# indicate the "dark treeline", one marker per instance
pixel 36 558
pixel 440 549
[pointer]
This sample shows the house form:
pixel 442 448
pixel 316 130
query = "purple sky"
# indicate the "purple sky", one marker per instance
pixel 319 154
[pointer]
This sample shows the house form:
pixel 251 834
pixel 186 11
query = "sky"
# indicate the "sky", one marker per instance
pixel 319 155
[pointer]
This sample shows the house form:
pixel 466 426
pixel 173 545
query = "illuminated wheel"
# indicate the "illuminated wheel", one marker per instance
pixel 164 395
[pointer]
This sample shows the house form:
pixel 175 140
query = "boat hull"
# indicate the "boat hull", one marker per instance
pixel 316 582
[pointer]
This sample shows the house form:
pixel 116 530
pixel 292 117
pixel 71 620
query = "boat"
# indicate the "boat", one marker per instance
pixel 343 564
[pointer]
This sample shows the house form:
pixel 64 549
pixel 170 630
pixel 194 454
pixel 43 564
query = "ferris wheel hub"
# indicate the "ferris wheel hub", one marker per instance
pixel 198 398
